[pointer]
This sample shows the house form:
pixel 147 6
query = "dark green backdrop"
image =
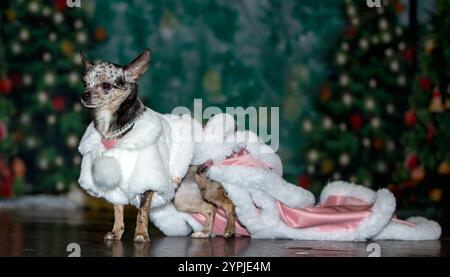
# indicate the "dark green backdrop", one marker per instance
pixel 229 53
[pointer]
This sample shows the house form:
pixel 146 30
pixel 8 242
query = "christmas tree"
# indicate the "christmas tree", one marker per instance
pixel 6 142
pixel 424 178
pixel 356 131
pixel 6 106
pixel 41 43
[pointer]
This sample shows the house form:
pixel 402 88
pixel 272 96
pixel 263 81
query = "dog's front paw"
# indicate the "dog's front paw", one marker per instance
pixel 200 235
pixel 228 234
pixel 113 236
pixel 141 237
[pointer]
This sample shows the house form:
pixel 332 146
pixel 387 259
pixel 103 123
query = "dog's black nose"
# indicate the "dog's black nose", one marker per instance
pixel 85 96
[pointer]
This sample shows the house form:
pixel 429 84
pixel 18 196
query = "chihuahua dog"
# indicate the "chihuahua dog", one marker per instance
pixel 113 101
pixel 111 95
pixel 198 194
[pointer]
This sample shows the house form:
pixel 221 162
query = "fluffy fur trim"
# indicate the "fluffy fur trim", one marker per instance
pixel 382 211
pixel 172 222
pixel 255 199
pixel 257 210
pixel 146 130
pixel 342 188
pixel 257 148
pixel 424 230
pixel 267 181
pixel 180 138
pixel 146 156
pixel 219 127
pixel 212 151
pixel 213 144
pixel 91 138
pixel 106 172
pixel 266 223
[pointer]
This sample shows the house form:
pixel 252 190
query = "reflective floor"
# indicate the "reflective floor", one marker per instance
pixel 50 233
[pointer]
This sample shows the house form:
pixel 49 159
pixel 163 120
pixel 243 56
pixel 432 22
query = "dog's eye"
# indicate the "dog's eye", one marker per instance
pixel 106 86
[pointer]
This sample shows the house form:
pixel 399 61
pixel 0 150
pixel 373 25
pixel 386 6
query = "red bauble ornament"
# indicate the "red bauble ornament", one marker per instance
pixel 378 144
pixel 16 79
pixel 100 34
pixel 410 118
pixel 6 179
pixel 431 131
pixel 304 182
pixel 325 94
pixel 3 131
pixel 5 86
pixel 59 103
pixel 356 121
pixel 351 32
pixel 408 54
pixel 6 185
pixel 60 5
pixel 412 161
pixel 425 83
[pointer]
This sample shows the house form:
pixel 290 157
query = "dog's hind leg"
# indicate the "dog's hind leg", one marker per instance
pixel 228 206
pixel 189 199
pixel 119 227
pixel 221 200
pixel 208 211
pixel 214 193
pixel 141 232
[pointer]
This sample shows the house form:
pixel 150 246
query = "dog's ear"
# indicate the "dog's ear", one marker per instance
pixel 87 63
pixel 137 67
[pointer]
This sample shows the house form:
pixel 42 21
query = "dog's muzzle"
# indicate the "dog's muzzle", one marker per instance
pixel 85 96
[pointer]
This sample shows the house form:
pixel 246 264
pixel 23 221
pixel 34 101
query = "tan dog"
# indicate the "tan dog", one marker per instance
pixel 198 194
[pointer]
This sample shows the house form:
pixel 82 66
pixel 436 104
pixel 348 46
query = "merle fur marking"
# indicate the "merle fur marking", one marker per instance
pixel 114 108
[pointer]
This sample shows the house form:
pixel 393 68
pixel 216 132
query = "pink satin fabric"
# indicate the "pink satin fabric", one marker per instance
pixel 220 223
pixel 243 158
pixel 109 143
pixel 337 200
pixel 326 218
pixel 336 213
pixel 404 222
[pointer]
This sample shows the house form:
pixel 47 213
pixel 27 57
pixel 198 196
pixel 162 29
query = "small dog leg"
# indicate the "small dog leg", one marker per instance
pixel 209 211
pixel 214 193
pixel 118 228
pixel 206 209
pixel 230 230
pixel 188 198
pixel 220 199
pixel 141 232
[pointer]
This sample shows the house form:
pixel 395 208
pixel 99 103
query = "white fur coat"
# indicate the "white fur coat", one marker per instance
pixel 255 192
pixel 156 149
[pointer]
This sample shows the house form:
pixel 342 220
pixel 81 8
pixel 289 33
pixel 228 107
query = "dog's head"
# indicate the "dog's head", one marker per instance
pixel 107 85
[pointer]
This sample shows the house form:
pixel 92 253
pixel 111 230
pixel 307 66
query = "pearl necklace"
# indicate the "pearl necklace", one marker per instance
pixel 118 132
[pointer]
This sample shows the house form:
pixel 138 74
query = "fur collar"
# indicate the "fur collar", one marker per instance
pixel 144 132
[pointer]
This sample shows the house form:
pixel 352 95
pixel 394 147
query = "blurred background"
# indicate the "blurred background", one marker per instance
pixel 363 92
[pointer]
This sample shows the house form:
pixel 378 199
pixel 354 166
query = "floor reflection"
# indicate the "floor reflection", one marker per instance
pixel 48 234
